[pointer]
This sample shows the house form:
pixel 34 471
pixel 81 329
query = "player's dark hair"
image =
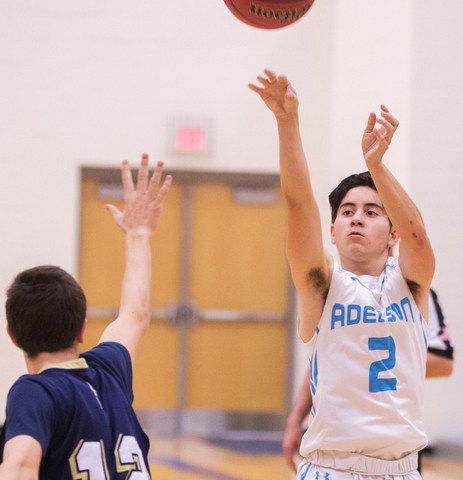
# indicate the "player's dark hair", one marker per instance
pixel 45 309
pixel 352 181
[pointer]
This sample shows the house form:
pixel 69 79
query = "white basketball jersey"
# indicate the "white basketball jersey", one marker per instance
pixel 367 368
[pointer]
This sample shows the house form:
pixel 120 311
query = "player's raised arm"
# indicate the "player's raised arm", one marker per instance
pixel 416 256
pixel 310 266
pixel 139 219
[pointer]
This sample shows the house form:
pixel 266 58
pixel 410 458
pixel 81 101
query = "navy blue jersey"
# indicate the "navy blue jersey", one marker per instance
pixel 81 413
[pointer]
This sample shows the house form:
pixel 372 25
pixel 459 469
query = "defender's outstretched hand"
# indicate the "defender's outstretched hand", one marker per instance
pixel 142 210
pixel 143 202
pixel 376 141
pixel 277 93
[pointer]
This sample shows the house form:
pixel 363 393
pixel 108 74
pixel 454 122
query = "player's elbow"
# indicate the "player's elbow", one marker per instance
pixel 143 318
pixel 442 367
pixel 139 318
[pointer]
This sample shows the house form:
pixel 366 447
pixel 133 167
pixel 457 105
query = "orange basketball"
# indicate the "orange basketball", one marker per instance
pixel 269 14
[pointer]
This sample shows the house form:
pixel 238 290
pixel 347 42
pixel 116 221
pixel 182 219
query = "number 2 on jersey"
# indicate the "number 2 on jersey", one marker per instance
pixel 382 384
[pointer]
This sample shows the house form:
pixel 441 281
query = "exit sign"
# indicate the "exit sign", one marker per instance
pixel 190 139
pixel 190 135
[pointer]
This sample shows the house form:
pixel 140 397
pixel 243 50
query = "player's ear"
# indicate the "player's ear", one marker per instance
pixel 333 239
pixel 393 239
pixel 80 336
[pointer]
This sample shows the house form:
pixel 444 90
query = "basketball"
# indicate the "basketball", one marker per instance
pixel 268 14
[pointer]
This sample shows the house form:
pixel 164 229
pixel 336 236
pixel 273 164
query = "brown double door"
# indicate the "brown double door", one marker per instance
pixel 218 340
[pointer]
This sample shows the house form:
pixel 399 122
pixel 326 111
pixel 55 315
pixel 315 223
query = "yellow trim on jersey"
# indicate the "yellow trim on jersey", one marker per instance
pixel 75 363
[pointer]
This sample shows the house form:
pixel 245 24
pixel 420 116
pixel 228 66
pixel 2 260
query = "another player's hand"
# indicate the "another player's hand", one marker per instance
pixel 277 93
pixel 376 141
pixel 291 443
pixel 143 202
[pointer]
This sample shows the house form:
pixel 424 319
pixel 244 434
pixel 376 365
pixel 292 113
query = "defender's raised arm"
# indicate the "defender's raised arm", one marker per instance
pixel 139 219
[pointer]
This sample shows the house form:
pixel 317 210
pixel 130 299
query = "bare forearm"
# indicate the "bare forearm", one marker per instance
pixel 437 366
pixel 304 224
pixel 305 250
pixel 136 286
pixel 13 471
pixel 142 209
pixel 134 312
pixel 303 403
pixel 294 172
pixel 401 209
pixel 21 459
pixel 293 432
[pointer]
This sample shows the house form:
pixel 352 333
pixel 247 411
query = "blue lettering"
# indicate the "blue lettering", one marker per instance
pixel 397 311
pixel 369 314
pixel 354 313
pixel 390 314
pixel 380 317
pixel 406 301
pixel 337 314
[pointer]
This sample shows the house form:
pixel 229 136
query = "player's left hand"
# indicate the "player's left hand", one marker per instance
pixel 376 141
pixel 291 443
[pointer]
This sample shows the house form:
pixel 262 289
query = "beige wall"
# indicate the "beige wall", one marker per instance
pixel 436 182
pixel 91 83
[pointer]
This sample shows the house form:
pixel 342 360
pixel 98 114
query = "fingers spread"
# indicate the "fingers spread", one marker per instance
pixel 142 180
pixel 290 92
pixel 126 177
pixel 270 78
pixel 115 212
pixel 270 74
pixel 159 200
pixel 371 122
pixel 156 178
pixel 255 88
pixel 387 128
pixel 264 81
pixel 390 118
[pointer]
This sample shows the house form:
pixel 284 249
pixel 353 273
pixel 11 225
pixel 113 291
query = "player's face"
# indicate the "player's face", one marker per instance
pixel 361 228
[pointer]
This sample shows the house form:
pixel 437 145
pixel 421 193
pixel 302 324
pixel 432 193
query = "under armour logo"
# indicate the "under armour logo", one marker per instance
pixel 318 476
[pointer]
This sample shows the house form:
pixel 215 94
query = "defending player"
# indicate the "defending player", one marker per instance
pixel 71 417
pixel 364 315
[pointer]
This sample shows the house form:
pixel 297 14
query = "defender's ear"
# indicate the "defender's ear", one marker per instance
pixel 80 336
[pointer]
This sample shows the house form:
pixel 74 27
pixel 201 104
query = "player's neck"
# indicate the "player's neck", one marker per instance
pixel 42 360
pixel 358 266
